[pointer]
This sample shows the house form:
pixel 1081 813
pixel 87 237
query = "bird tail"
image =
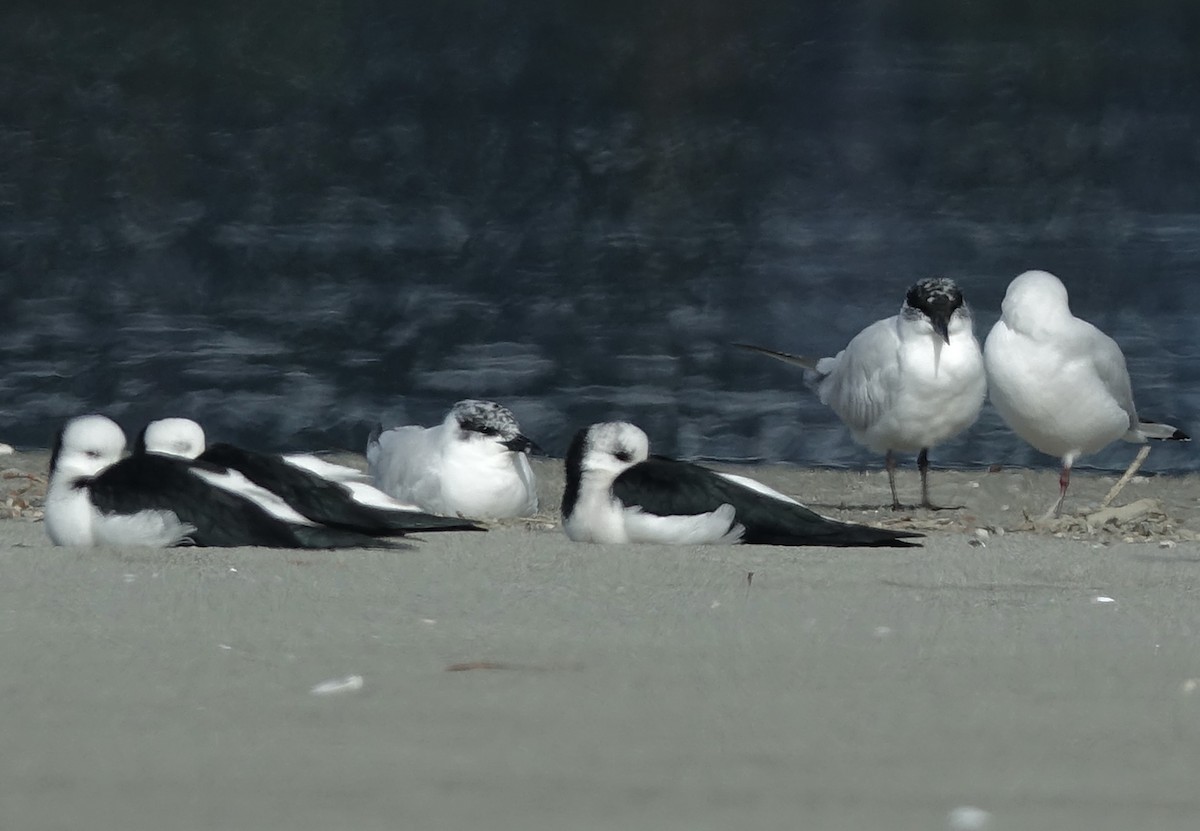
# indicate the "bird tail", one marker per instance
pixel 1164 432
pixel 865 535
pixel 416 522
pixel 834 534
pixel 373 448
pixel 320 536
pixel 797 524
pixel 797 360
pixel 851 535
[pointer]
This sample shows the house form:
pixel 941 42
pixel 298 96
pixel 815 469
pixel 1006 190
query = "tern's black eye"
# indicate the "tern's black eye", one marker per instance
pixel 624 456
pixel 93 454
pixel 488 431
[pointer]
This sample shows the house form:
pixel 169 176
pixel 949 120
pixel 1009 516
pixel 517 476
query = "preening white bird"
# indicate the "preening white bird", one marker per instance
pixel 905 383
pixel 1059 382
pixel 474 464
pixel 616 492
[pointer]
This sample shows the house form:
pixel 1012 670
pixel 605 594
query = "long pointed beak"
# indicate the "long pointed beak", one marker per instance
pixel 524 444
pixel 941 326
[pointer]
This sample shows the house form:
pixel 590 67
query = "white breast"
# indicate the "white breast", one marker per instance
pixel 1060 406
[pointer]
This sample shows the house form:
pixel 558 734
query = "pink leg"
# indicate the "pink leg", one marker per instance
pixel 1064 480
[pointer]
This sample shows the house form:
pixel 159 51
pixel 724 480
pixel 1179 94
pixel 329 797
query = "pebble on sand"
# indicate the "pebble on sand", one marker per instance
pixel 968 818
pixel 351 683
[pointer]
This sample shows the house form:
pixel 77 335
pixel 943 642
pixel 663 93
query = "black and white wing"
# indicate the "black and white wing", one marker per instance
pixel 217 515
pixel 664 487
pixel 350 505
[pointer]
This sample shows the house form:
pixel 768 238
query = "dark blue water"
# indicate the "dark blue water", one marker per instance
pixel 289 220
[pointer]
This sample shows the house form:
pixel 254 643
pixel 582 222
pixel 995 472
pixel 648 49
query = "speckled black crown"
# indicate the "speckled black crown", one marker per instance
pixel 935 293
pixel 486 417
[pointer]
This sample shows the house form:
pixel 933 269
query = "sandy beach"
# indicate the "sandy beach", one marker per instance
pixel 1048 674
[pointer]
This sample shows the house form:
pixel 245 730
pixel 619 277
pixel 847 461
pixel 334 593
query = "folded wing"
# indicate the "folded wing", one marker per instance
pixel 217 517
pixel 666 487
pixel 347 505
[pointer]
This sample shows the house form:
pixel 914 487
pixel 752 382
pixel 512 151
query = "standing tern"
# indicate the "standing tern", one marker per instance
pixel 1060 383
pixel 474 464
pixel 905 383
pixel 331 494
pixel 616 492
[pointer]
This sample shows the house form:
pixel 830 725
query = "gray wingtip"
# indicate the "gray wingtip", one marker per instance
pixel 1162 432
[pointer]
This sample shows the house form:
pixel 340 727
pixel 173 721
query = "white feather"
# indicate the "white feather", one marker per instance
pixel 898 386
pixel 1059 382
pixel 375 498
pixel 445 470
pixel 713 528
pixel 158 528
pixel 755 485
pixel 180 437
pixel 234 482
pixel 327 470
pixel 599 517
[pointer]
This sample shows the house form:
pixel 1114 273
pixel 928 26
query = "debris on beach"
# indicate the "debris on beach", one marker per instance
pixel 472 665
pixel 526 523
pixel 6 450
pixel 1125 515
pixel 468 666
pixel 1145 520
pixel 351 683
pixel 1141 521
pixel 22 494
pixel 918 522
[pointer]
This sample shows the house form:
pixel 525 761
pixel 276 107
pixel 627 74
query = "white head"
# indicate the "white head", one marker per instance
pixel 611 447
pixel 173 437
pixel 936 305
pixel 600 454
pixel 1033 298
pixel 487 424
pixel 85 446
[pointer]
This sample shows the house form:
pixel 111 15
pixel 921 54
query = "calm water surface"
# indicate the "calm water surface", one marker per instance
pixel 290 222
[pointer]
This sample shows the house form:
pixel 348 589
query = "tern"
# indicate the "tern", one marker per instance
pixel 474 464
pixel 905 383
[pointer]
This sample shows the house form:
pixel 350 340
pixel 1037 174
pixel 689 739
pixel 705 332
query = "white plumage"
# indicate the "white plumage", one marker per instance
pixel 88 445
pixel 474 464
pixel 615 493
pixel 908 382
pixel 1059 382
pixel 293 487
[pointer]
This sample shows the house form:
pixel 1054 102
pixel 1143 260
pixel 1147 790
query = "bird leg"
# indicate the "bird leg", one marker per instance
pixel 1133 468
pixel 923 466
pixel 1064 479
pixel 889 461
